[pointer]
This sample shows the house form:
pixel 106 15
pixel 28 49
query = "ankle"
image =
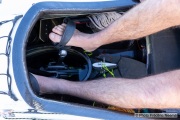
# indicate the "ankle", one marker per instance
pixel 95 40
pixel 89 42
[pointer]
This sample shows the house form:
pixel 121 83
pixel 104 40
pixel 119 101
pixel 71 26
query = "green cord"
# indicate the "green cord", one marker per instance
pixel 88 53
pixel 94 104
pixel 106 68
pixel 104 75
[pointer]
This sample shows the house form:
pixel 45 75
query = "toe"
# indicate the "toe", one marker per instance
pixel 54 37
pixel 63 25
pixel 59 29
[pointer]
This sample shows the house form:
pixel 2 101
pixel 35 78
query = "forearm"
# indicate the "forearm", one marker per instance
pixel 146 18
pixel 160 91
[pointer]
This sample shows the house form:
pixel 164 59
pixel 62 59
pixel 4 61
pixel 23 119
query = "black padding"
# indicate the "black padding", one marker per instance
pixel 34 84
pixel 165 51
pixel 68 32
pixel 130 68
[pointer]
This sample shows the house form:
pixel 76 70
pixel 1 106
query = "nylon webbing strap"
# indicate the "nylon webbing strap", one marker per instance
pixel 68 32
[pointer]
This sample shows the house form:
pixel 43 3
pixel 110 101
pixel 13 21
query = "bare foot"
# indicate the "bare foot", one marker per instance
pixel 86 41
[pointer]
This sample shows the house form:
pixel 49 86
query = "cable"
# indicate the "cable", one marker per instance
pixel 3 37
pixel 7 54
pixel 2 92
pixel 2 22
pixel 88 53
pixel 106 68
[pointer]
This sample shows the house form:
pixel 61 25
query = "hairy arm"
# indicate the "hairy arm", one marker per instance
pixel 160 91
pixel 146 18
